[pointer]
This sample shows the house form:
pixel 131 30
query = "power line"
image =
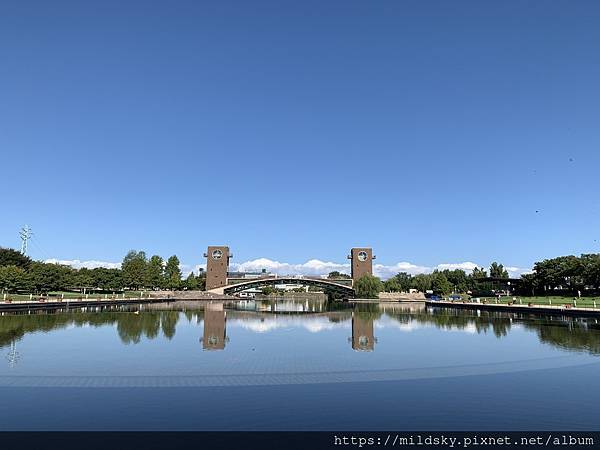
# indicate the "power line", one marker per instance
pixel 36 243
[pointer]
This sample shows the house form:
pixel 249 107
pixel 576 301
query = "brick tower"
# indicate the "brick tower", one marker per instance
pixel 361 262
pixel 217 266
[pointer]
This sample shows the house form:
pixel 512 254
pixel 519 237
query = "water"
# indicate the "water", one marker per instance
pixel 296 365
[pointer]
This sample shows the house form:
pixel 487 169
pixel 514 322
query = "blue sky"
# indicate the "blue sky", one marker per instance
pixel 435 132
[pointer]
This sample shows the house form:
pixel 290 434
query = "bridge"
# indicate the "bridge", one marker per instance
pixel 218 281
pixel 333 286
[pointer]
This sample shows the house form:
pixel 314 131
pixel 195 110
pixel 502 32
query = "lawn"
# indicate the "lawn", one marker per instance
pixel 586 302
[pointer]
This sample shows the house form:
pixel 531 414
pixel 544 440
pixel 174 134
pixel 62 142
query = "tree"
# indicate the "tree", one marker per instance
pixel 421 282
pixel 440 284
pixel 268 290
pixel 368 286
pixel 173 273
pixel 155 273
pixel 567 272
pixel 201 279
pixel 458 279
pixel 571 270
pixel 529 284
pixel 134 269
pixel 498 271
pixel 13 279
pixel 50 277
pixel 108 279
pixel 337 274
pixel 84 279
pixel 392 285
pixel 11 257
pixel 404 280
pixel 191 282
pixel 479 272
pixel 591 270
pixel 564 272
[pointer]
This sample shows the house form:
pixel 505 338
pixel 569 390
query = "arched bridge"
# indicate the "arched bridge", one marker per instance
pixel 326 285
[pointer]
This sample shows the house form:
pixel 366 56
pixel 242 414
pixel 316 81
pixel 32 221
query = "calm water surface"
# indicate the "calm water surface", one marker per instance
pixel 297 365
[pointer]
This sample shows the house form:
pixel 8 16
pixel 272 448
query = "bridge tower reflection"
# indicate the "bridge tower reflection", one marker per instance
pixel 363 337
pixel 215 318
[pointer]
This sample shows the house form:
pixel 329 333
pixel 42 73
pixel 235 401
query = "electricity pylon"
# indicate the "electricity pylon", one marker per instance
pixel 13 355
pixel 25 234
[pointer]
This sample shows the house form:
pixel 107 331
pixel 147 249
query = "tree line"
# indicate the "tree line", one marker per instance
pixel 572 275
pixel 439 282
pixel 565 274
pixel 18 273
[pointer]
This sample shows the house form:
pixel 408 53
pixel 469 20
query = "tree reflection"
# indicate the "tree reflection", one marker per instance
pixel 569 334
pixel 133 326
pixel 564 332
pixel 168 323
pixel 446 318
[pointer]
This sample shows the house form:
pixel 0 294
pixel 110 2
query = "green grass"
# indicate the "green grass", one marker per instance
pixel 586 302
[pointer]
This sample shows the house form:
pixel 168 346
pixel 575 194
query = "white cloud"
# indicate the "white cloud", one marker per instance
pixel 92 264
pixel 516 272
pixel 385 322
pixel 315 267
pixel 466 266
pixel 312 267
pixel 310 323
pixel 187 268
pixel 77 264
pixel 383 271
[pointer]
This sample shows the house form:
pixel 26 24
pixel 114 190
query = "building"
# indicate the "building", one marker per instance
pixel 489 286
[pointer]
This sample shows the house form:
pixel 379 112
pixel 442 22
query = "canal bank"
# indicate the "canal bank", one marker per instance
pixel 50 303
pixel 529 308
pixel 73 303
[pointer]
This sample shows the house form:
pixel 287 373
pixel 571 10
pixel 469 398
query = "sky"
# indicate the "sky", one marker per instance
pixel 442 134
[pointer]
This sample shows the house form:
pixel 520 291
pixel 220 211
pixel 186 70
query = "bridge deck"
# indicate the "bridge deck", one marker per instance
pixel 326 284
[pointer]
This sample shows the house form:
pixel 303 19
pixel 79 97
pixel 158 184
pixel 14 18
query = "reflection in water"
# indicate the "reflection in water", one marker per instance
pixel 132 325
pixel 570 335
pixel 136 323
pixel 305 305
pixel 214 336
pixel 453 319
pixel 13 355
pixel 292 365
pixel 363 337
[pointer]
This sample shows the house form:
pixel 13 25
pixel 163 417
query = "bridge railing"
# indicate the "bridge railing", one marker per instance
pixel 343 281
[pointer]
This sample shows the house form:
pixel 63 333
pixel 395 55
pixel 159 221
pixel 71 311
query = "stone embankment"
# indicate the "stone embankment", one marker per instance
pixel 189 295
pixel 402 296
pixel 529 308
pixel 297 296
pixel 27 305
